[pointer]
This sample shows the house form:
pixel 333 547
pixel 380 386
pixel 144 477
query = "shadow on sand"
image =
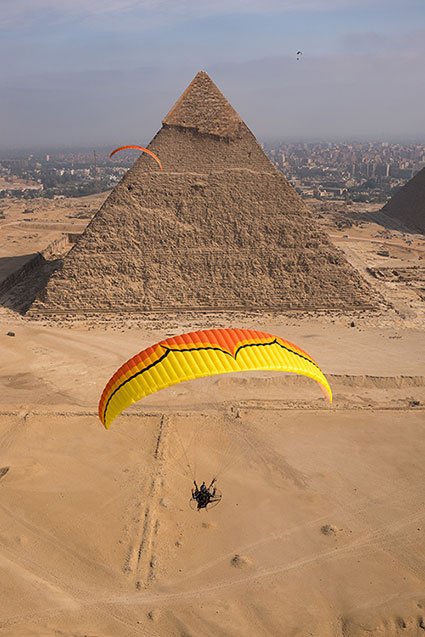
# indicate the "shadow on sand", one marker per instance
pixel 25 278
pixel 381 219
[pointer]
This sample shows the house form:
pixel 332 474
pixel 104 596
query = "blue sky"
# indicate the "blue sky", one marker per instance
pixel 105 72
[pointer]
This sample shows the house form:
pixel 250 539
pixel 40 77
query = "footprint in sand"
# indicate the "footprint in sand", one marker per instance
pixel 240 561
pixel 328 529
pixel 3 471
pixel 154 614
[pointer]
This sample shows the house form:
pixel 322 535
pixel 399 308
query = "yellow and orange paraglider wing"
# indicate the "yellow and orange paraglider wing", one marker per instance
pixel 199 354
pixel 145 150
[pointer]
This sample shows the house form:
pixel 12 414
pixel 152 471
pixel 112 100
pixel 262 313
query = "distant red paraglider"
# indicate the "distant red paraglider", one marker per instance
pixel 145 150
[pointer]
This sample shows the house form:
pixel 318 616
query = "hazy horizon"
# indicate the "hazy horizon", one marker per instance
pixel 105 73
pixel 6 151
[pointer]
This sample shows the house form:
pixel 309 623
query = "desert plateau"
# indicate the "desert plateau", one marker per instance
pixel 322 523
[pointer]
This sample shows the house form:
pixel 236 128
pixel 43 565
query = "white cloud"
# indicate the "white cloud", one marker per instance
pixel 365 42
pixel 24 13
pixel 394 44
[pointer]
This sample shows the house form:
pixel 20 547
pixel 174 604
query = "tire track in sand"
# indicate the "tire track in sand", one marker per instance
pixel 141 560
pixel 363 543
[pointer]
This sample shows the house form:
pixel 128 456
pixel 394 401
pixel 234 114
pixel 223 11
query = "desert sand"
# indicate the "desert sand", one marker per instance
pixel 321 529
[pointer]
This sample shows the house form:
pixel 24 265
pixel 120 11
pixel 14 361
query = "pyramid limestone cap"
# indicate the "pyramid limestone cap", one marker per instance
pixel 204 108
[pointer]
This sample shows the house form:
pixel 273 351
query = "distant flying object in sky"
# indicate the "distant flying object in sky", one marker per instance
pixel 145 150
pixel 298 54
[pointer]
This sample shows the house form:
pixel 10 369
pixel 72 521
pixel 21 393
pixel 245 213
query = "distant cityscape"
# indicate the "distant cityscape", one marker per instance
pixel 61 174
pixel 365 172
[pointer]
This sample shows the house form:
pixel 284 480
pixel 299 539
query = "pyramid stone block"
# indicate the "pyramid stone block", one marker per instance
pixel 219 229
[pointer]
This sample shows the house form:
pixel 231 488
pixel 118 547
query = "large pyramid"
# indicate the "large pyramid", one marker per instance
pixel 219 229
pixel 408 204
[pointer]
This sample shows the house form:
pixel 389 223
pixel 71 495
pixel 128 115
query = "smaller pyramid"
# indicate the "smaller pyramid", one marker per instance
pixel 408 204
